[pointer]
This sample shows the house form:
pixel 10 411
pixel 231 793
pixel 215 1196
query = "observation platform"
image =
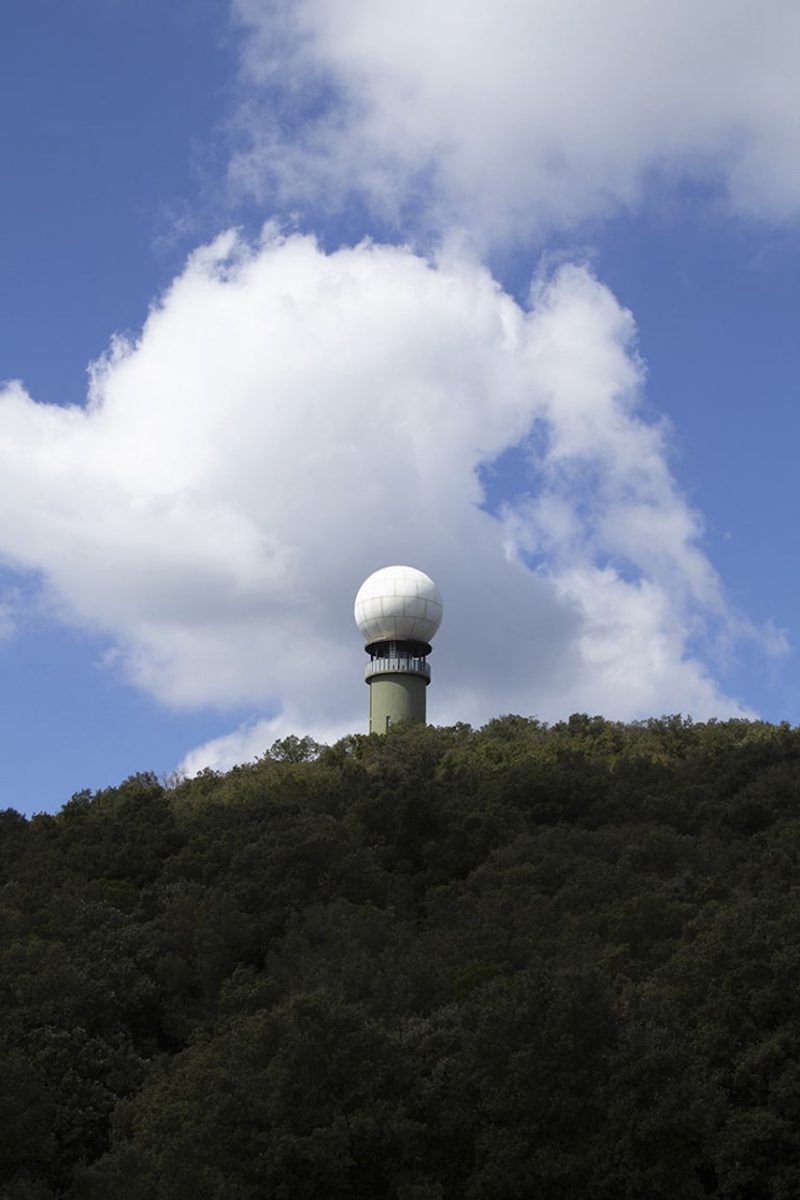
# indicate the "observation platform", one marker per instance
pixel 398 665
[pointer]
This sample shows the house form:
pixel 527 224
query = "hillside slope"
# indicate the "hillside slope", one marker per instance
pixel 524 962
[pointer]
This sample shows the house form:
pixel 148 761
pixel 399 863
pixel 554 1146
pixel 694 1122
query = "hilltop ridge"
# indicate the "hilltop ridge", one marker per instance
pixel 524 961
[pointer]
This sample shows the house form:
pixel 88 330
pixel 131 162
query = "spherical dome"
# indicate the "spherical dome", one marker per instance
pixel 398 604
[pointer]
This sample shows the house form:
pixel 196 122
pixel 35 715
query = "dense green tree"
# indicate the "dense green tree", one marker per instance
pixel 556 963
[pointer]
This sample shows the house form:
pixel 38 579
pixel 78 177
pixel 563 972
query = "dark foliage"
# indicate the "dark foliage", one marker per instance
pixel 522 963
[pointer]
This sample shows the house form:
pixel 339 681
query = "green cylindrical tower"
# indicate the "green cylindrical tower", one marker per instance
pixel 398 610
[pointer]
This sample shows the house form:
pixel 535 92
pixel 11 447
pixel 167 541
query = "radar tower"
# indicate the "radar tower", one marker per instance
pixel 398 610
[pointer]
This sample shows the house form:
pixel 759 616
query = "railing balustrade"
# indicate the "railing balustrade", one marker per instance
pixel 388 665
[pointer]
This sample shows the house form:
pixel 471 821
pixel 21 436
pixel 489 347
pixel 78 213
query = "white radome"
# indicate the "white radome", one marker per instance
pixel 398 604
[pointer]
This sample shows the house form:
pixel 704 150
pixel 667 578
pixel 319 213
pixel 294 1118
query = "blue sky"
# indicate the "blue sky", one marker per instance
pixel 178 564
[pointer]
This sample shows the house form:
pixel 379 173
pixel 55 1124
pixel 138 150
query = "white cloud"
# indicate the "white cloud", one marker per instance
pixel 290 420
pixel 253 738
pixel 517 115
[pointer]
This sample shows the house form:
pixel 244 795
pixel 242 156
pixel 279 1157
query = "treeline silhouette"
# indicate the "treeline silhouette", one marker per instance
pixel 518 963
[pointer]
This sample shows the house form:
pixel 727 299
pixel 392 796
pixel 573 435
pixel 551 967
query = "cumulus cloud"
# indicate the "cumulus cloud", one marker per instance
pixel 254 737
pixel 290 420
pixel 510 117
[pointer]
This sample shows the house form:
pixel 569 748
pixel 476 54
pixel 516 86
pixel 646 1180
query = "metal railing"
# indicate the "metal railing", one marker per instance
pixel 391 665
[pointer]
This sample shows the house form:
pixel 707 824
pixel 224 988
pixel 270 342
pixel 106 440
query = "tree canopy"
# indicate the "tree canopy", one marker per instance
pixel 518 963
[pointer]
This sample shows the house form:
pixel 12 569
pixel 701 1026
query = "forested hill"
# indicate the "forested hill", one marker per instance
pixel 522 963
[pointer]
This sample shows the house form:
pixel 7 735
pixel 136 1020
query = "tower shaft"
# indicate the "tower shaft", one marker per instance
pixel 394 698
pixel 398 675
